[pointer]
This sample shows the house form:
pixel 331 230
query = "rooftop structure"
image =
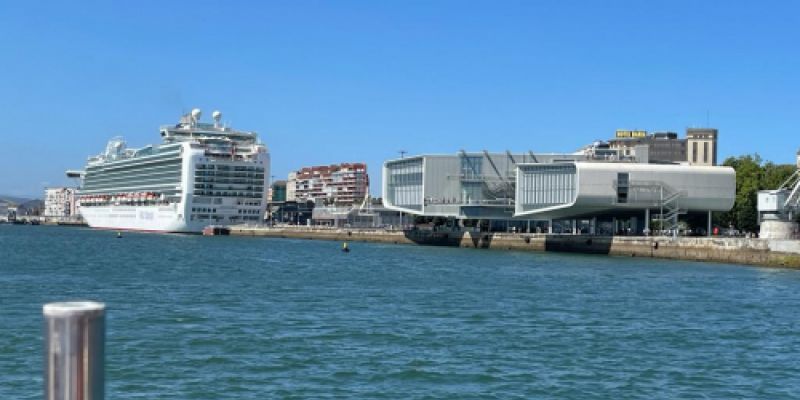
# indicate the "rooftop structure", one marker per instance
pixel 698 148
pixel 661 147
pixel 701 146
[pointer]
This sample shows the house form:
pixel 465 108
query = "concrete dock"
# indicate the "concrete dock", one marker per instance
pixel 761 252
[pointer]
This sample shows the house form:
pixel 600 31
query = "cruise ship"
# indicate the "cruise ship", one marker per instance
pixel 201 174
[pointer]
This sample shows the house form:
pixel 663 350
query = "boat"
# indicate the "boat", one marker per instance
pixel 201 174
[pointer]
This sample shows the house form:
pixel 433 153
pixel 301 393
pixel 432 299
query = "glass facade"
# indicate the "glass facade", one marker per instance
pixel 471 167
pixel 404 183
pixel 544 186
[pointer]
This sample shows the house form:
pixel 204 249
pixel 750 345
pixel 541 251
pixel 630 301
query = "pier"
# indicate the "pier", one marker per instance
pixel 750 251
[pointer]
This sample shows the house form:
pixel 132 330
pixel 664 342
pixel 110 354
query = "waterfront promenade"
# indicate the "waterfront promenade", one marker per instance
pixel 751 251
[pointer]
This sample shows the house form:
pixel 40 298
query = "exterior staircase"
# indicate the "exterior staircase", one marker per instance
pixel 656 195
pixel 669 209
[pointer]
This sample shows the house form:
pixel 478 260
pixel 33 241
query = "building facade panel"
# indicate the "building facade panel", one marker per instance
pixel 546 186
pixel 403 184
pixel 465 185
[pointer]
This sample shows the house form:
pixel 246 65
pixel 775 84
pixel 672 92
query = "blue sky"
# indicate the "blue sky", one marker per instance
pixel 331 81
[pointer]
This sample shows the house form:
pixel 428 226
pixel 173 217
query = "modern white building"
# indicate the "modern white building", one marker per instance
pixel 463 186
pixel 552 187
pixel 592 189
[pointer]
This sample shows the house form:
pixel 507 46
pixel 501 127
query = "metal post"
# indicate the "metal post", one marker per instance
pixel 74 350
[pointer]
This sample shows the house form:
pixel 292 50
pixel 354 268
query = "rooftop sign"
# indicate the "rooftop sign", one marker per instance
pixel 631 134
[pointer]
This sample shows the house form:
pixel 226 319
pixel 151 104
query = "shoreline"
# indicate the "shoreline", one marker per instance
pixel 757 252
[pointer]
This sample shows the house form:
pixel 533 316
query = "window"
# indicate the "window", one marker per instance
pixel 471 166
pixel 622 187
pixel 694 152
pixel 705 152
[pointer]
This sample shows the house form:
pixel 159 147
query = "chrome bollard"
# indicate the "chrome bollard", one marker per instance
pixel 74 347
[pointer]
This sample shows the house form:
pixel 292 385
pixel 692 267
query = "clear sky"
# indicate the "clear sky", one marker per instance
pixel 331 81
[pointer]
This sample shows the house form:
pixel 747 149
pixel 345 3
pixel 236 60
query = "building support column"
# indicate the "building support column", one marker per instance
pixel 708 228
pixel 574 226
pixel 647 222
pixel 593 226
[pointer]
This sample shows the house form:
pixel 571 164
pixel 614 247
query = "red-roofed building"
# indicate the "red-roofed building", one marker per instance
pixel 342 184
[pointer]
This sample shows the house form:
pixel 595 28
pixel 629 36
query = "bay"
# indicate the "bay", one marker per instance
pixel 192 317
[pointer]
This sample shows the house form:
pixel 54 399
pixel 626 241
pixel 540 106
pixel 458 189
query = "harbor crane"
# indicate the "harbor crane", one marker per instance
pixel 779 208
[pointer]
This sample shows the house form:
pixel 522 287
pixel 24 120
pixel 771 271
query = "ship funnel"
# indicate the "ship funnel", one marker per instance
pixel 196 115
pixel 217 116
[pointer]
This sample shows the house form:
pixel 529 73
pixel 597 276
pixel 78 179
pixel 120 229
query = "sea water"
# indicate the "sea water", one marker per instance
pixel 193 317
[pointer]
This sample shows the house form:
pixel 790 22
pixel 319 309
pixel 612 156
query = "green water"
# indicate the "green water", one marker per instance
pixel 193 317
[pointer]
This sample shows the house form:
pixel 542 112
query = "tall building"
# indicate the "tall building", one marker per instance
pixel 662 147
pixel 702 146
pixel 59 202
pixel 342 184
pixel 291 185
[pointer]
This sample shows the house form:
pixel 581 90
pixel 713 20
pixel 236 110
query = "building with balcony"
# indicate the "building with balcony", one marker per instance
pixel 59 203
pixel 344 184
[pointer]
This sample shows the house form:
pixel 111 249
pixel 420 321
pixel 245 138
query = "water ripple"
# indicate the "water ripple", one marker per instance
pixel 244 318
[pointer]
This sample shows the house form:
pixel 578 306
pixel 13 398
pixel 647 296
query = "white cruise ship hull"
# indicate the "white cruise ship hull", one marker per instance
pixel 140 218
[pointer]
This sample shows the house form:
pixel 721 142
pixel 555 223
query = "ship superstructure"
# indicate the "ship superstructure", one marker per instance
pixel 202 174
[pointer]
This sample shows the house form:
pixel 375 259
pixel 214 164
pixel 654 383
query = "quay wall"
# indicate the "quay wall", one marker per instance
pixel 763 252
